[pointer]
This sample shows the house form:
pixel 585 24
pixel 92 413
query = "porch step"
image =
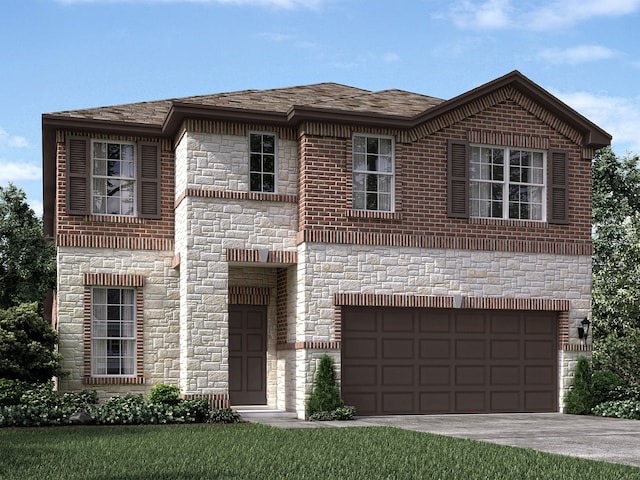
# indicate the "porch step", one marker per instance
pixel 259 411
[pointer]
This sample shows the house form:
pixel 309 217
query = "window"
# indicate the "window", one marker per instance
pixel 262 162
pixel 113 178
pixel 113 331
pixel 507 183
pixel 373 167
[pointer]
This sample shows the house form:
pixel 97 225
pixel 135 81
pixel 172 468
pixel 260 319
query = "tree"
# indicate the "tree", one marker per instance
pixel 27 345
pixel 27 258
pixel 325 396
pixel 616 263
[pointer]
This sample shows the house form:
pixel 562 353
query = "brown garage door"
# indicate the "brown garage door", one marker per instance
pixel 427 361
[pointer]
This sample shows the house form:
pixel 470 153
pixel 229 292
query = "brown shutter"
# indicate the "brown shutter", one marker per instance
pixel 78 190
pixel 149 180
pixel 558 187
pixel 458 179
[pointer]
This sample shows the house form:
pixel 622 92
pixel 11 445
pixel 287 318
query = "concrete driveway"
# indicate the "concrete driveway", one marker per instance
pixel 595 438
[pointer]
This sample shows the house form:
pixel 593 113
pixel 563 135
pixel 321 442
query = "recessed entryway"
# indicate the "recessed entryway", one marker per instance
pixel 248 354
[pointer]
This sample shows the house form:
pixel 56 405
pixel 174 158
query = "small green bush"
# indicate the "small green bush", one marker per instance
pixel 39 405
pixel 166 394
pixel 325 395
pixel 604 385
pixel 11 391
pixel 340 413
pixel 579 400
pixel 629 409
pixel 223 415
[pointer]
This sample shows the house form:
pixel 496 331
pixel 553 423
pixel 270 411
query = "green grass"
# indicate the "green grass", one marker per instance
pixel 248 451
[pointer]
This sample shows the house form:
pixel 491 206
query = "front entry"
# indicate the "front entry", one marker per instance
pixel 248 354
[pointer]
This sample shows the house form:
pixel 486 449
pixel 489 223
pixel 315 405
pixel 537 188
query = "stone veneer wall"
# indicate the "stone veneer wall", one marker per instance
pixel 160 313
pixel 327 269
pixel 215 212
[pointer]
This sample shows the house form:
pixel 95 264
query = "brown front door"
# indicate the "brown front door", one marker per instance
pixel 247 354
pixel 428 361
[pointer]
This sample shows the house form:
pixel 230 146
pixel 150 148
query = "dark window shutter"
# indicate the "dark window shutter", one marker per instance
pixel 149 180
pixel 78 189
pixel 558 187
pixel 458 179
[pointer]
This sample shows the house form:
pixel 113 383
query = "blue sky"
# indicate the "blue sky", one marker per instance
pixel 72 54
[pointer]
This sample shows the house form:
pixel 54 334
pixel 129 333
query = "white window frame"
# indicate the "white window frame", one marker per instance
pixel 97 176
pixel 101 337
pixel 357 170
pixel 506 182
pixel 262 154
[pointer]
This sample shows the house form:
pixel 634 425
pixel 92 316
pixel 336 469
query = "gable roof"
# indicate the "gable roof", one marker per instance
pixel 321 102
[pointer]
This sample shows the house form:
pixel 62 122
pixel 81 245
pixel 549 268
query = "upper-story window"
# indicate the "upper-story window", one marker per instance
pixel 373 173
pixel 262 162
pixel 507 183
pixel 113 178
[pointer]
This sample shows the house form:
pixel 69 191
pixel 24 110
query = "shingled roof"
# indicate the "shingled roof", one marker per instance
pixel 280 100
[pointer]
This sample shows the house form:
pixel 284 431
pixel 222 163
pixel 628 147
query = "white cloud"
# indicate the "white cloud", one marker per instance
pixel 15 171
pixel 492 14
pixel 390 57
pixel 619 116
pixel 542 15
pixel 13 141
pixel 578 54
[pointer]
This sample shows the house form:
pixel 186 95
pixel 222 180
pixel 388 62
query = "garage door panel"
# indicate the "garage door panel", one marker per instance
pixel 398 402
pixel 435 349
pixel 435 375
pixel 539 375
pixel 470 375
pixel 470 402
pixel 505 349
pixel 435 402
pixel 395 348
pixel 543 401
pixel 470 349
pixel 398 322
pixel 470 323
pixel 506 323
pixel 538 350
pixel 360 375
pixel 434 322
pixel 508 401
pixel 401 375
pixel 412 360
pixel 505 375
pixel 360 349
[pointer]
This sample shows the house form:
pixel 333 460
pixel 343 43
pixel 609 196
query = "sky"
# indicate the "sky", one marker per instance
pixel 61 55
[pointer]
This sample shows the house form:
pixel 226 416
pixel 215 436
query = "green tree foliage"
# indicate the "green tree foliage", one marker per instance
pixel 325 396
pixel 616 264
pixel 27 345
pixel 27 259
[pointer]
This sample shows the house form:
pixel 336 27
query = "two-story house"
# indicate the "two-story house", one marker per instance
pixel 439 250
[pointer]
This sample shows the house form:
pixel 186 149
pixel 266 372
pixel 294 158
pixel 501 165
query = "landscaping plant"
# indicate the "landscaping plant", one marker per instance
pixel 325 402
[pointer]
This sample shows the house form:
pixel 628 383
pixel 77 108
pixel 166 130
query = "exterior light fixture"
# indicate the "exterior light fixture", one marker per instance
pixel 583 329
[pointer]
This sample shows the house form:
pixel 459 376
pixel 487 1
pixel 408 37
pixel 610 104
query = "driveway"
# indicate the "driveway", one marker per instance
pixel 595 438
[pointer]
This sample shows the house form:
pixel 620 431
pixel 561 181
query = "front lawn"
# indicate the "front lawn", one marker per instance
pixel 248 451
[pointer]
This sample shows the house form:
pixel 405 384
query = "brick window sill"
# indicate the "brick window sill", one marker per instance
pixel 374 214
pixel 113 381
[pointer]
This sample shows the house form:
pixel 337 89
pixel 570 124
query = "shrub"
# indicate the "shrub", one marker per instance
pixel 39 405
pixel 325 395
pixel 11 391
pixel 223 415
pixel 162 393
pixel 340 413
pixel 27 345
pixel 604 385
pixel 619 408
pixel 579 400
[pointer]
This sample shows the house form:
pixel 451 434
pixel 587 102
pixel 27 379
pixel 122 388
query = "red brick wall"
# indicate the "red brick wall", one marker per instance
pixel 107 231
pixel 421 182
